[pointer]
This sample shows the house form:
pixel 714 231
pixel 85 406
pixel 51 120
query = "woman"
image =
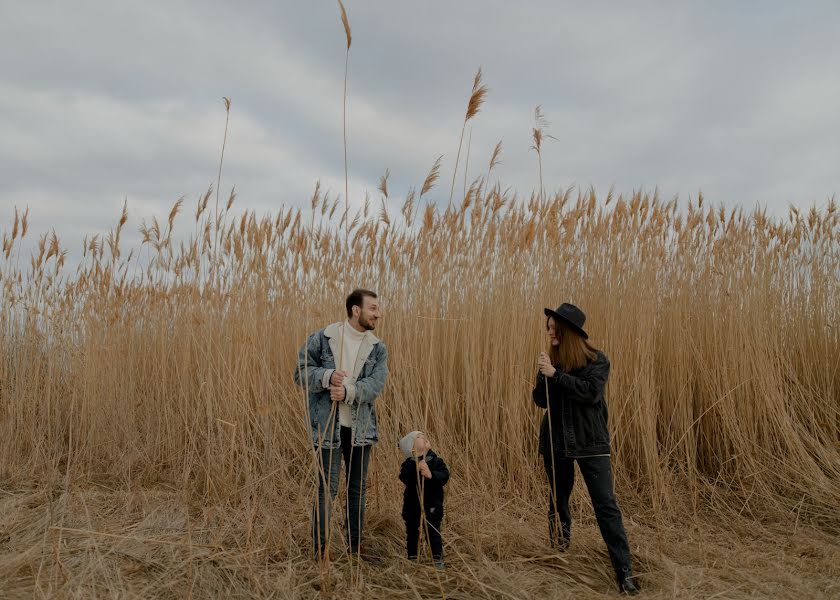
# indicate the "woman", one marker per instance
pixel 570 384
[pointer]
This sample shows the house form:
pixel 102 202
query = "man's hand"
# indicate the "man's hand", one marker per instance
pixel 424 469
pixel 337 393
pixel 337 377
pixel 545 366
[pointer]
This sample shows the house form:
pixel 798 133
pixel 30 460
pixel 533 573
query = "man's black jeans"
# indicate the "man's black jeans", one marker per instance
pixel 597 474
pixel 356 460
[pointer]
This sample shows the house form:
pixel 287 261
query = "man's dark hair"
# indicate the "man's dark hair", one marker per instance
pixel 357 298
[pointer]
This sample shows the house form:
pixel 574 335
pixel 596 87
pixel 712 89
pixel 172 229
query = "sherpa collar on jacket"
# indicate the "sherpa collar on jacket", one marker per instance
pixel 333 333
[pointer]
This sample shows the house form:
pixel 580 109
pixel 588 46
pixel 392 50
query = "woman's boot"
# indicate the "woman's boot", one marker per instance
pixel 627 584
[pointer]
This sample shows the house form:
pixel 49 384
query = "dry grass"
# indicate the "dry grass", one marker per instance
pixel 155 542
pixel 152 442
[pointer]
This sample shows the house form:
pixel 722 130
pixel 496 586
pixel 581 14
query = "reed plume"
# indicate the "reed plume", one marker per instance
pixel 477 97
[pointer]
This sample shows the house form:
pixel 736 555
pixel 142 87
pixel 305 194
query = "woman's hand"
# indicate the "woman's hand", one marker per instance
pixel 544 363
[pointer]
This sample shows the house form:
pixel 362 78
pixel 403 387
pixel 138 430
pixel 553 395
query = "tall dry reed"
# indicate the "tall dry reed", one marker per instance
pixel 721 327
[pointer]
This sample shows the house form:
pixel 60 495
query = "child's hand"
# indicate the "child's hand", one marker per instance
pixel 424 469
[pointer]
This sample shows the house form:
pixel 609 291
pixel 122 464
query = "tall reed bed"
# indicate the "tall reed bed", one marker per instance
pixel 721 326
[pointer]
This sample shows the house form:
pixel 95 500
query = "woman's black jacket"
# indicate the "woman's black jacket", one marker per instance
pixel 579 425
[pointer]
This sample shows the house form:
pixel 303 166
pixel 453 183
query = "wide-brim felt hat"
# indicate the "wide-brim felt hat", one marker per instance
pixel 569 314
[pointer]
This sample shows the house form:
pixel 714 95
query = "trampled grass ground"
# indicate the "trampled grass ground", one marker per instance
pixel 155 542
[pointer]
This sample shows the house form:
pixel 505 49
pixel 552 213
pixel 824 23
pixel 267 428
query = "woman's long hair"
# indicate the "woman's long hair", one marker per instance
pixel 574 351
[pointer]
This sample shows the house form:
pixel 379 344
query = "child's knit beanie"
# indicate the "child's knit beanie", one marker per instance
pixel 407 443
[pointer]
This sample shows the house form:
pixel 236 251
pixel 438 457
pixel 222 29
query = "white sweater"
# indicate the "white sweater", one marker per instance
pixel 352 341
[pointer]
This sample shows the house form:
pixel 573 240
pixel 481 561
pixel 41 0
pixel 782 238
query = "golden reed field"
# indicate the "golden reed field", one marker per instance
pixel 153 444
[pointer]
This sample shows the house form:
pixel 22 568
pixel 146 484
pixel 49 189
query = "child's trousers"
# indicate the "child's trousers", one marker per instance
pixel 412 534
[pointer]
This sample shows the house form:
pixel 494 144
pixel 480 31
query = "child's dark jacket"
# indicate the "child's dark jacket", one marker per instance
pixel 432 488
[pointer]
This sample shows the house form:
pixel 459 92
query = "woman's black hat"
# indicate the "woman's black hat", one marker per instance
pixel 571 315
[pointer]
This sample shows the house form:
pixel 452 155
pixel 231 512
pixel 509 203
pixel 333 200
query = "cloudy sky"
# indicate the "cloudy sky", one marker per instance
pixel 101 101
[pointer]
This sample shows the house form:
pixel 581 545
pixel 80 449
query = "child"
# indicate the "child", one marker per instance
pixel 424 474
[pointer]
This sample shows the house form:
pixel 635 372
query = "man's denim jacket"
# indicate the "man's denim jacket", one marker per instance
pixel 315 366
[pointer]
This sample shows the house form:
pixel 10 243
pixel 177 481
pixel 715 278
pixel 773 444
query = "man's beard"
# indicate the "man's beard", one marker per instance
pixel 365 323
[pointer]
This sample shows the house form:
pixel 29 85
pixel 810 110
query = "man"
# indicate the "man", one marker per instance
pixel 343 368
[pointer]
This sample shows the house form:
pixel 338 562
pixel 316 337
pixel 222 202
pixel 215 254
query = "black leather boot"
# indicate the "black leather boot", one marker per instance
pixel 627 584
